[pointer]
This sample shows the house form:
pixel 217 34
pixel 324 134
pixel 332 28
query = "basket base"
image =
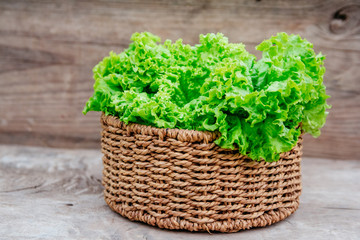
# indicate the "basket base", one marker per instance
pixel 234 225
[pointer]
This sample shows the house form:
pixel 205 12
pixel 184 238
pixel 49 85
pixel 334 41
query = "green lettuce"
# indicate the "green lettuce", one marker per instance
pixel 257 106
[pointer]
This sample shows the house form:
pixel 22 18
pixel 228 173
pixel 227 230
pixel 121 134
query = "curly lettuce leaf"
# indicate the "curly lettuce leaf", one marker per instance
pixel 215 85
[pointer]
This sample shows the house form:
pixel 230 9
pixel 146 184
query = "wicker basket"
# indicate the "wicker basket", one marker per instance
pixel 180 179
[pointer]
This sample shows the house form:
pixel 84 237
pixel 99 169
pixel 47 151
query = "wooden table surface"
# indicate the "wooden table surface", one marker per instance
pixel 56 194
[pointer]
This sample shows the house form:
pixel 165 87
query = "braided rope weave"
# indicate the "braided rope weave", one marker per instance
pixel 180 179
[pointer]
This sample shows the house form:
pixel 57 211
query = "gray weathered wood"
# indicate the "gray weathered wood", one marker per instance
pixel 56 194
pixel 48 49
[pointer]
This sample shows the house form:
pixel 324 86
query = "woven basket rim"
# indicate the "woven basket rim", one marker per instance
pixel 183 135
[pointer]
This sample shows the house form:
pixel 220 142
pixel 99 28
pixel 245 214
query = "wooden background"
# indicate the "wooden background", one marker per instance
pixel 48 49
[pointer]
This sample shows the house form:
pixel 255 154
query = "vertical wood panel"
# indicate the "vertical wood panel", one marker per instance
pixel 48 49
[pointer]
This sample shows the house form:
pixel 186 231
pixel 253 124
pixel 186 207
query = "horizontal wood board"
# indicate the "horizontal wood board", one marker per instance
pixel 57 194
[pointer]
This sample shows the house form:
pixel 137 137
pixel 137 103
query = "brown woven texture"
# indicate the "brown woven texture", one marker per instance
pixel 180 179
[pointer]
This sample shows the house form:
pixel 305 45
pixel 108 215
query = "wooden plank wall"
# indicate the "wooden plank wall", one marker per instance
pixel 48 49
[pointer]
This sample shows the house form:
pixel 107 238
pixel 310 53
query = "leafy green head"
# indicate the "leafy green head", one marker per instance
pixel 256 105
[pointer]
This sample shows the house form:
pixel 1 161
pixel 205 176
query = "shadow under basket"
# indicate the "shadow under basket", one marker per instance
pixel 180 179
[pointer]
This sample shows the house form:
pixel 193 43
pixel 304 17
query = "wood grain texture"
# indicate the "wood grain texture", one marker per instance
pixel 48 49
pixel 56 194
